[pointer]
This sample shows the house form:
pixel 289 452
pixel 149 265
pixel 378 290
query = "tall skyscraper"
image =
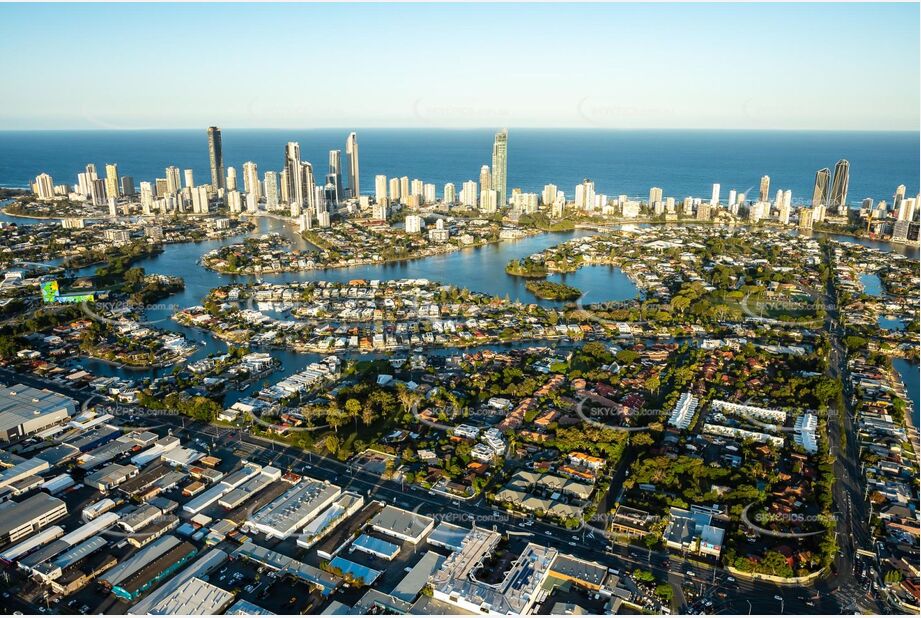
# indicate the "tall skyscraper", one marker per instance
pixel 351 151
pixel 839 187
pixel 820 189
pixel 449 195
pixel 765 189
pixel 173 182
pixel 231 179
pixel 715 195
pixel 308 186
pixel 485 179
pixel 112 188
pixel 189 178
pixel 216 155
pixel 380 188
pixel 271 191
pixel 469 194
pixel 548 195
pixel 335 171
pixel 147 198
pixel 127 184
pixel 43 187
pixel 500 167
pixel 906 211
pixel 655 195
pixel 293 184
pixel 395 190
pixel 251 180
pixel 898 197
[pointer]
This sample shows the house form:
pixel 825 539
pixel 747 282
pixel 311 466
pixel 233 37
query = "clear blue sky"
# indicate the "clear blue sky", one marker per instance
pixel 759 66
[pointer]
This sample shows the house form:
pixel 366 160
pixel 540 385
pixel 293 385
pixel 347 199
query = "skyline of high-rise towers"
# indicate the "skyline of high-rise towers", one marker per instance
pixel 216 156
pixel 500 167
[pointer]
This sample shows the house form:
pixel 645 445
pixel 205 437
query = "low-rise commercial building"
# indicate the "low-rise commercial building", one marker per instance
pixel 19 520
pixel 25 410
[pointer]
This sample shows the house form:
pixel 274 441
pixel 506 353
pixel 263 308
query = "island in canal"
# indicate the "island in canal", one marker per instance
pixel 550 290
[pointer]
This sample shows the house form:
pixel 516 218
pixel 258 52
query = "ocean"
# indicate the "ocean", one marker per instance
pixel 620 162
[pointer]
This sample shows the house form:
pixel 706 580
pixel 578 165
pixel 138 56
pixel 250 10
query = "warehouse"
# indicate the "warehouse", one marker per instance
pixel 50 571
pixel 94 438
pixel 376 547
pixel 25 410
pixel 244 492
pixel 110 477
pixel 19 520
pixel 106 453
pixel 194 597
pixel 136 562
pixel 292 510
pixel 326 582
pixel 58 484
pixel 449 536
pixel 94 510
pixel 30 544
pixel 22 470
pixel 402 524
pixel 204 500
pixel 79 575
pixel 155 451
pixel 200 569
pixel 150 575
pixel 139 517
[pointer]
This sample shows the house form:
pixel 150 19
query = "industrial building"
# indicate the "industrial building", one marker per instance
pixel 292 510
pixel 19 520
pixel 402 524
pixel 25 410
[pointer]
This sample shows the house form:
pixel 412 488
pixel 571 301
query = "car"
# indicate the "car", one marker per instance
pixel 778 597
pixel 575 537
pixel 689 573
pixel 572 543
pixel 730 579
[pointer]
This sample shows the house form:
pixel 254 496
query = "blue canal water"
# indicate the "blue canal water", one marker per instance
pixel 872 285
pixel 911 377
pixel 620 162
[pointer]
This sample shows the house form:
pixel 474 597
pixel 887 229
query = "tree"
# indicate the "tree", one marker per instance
pixel 408 399
pixel 335 416
pixel 353 409
pixel 332 443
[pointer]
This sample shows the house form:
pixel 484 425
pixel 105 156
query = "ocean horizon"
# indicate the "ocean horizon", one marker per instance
pixel 620 161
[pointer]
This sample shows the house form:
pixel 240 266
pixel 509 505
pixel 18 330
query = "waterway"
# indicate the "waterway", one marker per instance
pixel 872 285
pixel 480 269
pixel 911 378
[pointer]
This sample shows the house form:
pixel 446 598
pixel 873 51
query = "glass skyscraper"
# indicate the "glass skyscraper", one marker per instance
pixel 500 167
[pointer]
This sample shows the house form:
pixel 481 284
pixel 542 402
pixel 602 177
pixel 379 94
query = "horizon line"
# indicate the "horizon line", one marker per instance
pixel 450 128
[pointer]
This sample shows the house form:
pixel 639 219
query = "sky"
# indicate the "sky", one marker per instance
pixel 827 66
